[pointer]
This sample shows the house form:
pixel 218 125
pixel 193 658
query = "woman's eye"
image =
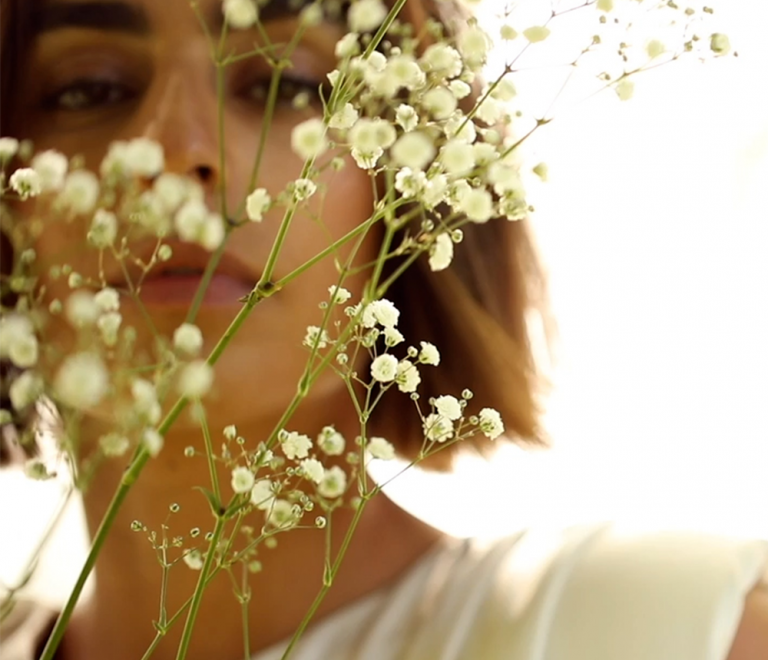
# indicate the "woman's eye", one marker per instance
pixel 86 94
pixel 289 88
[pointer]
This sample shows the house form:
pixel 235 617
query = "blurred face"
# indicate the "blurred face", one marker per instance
pixel 106 70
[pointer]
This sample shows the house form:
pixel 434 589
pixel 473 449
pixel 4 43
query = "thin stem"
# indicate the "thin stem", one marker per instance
pixel 209 454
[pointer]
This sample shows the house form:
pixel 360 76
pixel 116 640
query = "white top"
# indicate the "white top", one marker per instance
pixel 587 592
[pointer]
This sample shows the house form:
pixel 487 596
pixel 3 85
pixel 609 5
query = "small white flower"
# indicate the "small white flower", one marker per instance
pixel 146 405
pixel 625 88
pixel 362 136
pixel 504 178
pixel 339 295
pixel 194 559
pixel 242 479
pixel 541 170
pixel 406 117
pixel 448 406
pixel 344 118
pixel 485 153
pixel 25 389
pixel 330 441
pixel 312 469
pixel 80 192
pixel 429 354
pixel 719 44
pixel 303 189
pixel 8 148
pixel 441 253
pixel 153 441
pixel 490 423
pixel 283 514
pixel 26 182
pixel 457 158
pixel 513 207
pixel 407 376
pixel 256 204
pixel 477 204
pixel 384 368
pixel 401 71
pixel 440 102
pixel 230 432
pixel 81 309
pixel 414 150
pixel 108 300
pixel 508 33
pixel 504 90
pixel 392 336
pixel 435 191
pixel 474 44
pixel 536 33
pixel 382 312
pixel 334 482
pixel 23 351
pixel 190 220
pixel 442 59
pixel 459 89
pixel 171 190
pixel 294 445
pixel 605 5
pixel 311 15
pixel 347 46
pixel 240 14
pixel 410 183
pixel 438 427
pixel 655 48
pixel 367 159
pixel 262 495
pixel 380 448
pixel 144 157
pixel 195 379
pixel 114 444
pixel 82 380
pixel 366 15
pixel 457 126
pixel 308 138
pixel 490 110
pixel 213 232
pixel 108 325
pixel 52 167
pixel 315 335
pixel 103 229
pixel 188 339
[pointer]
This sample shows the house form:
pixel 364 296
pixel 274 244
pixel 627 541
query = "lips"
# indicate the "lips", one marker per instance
pixel 175 282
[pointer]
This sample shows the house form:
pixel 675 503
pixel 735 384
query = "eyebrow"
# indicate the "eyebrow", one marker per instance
pixel 123 17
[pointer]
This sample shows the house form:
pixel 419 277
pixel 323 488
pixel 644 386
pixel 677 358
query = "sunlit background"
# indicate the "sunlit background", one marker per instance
pixel 653 229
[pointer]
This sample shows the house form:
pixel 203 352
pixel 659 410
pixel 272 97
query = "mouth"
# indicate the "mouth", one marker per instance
pixel 175 282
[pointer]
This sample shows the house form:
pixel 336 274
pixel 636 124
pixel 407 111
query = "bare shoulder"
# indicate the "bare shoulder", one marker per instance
pixel 751 641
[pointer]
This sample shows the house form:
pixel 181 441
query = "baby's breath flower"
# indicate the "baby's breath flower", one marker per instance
pixel 334 482
pixel 35 469
pixel 114 444
pixel 195 379
pixel 512 207
pixel 605 5
pixel 625 88
pixel 103 229
pixel 407 376
pixel 347 46
pixel 459 89
pixel 485 153
pixel 80 191
pixel 262 495
pixel 81 309
pixel 429 354
pixel 380 448
pixel 489 111
pixel 457 158
pixel 25 389
pixel 242 479
pixel 143 157
pixel 171 190
pixel 314 334
pixel 442 59
pixel 414 150
pixel 458 127
pixel 294 445
pixel 536 33
pixel 366 15
pixel 308 138
pixel 441 253
pixel 382 312
pixel 654 48
pixel 283 514
pixel 541 170
pixel 108 300
pixel 256 204
pixel 410 183
pixel 213 232
pixel 490 423
pixel 448 406
pixel 152 440
pixel 435 191
pixel 194 559
pixel 344 118
pixel 474 44
pixel 190 220
pixel 440 102
pixel 720 44
pixel 230 432
pixel 13 328
pixel 477 204
pixel 311 15
pixel 303 189
pixel 367 159
pixel 145 400
pixel 108 325
pixel 392 336
pixel 312 469
pixel 8 148
pixel 330 441
pixel 339 295
pixel 52 167
pixel 406 117
pixel 23 351
pixel 188 339
pixel 504 90
pixel 82 380
pixel 25 182
pixel 384 368
pixel 504 178
pixel 438 427
pixel 508 33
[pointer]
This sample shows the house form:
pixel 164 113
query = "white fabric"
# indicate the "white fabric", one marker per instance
pixel 587 592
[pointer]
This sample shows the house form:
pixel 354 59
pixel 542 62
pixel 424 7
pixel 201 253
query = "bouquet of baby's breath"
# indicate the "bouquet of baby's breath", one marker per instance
pixel 407 106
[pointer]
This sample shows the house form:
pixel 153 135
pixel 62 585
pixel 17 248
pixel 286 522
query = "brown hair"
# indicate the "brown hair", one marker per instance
pixel 476 312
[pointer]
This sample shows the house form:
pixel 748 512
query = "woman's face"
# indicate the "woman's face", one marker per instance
pixel 106 70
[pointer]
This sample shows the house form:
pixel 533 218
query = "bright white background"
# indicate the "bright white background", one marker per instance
pixel 653 228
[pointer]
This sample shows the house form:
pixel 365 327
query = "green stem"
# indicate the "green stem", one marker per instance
pixel 209 455
pixel 197 597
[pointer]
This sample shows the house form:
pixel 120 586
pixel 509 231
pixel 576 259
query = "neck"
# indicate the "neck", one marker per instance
pixel 116 622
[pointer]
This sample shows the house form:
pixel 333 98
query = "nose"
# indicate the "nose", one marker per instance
pixel 183 122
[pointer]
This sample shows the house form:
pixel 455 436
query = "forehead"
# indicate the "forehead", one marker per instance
pixel 136 16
